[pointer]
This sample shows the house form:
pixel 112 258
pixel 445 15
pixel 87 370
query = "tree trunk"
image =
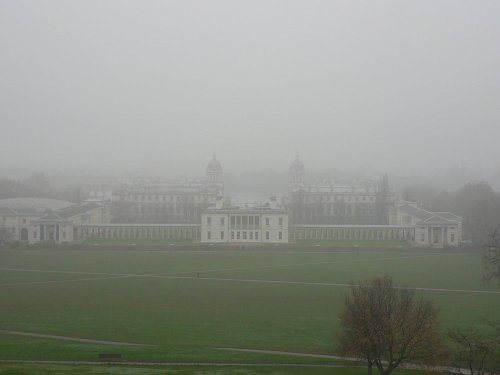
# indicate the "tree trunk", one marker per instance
pixel 370 368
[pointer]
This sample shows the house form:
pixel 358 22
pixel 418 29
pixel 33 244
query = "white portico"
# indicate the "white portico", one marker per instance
pixel 436 229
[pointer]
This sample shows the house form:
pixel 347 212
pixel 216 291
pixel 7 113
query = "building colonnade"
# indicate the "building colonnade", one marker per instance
pixel 191 232
pixel 130 231
pixel 352 232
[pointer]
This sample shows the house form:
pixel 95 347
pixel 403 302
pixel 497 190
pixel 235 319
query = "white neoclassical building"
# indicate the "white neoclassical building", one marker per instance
pixel 437 229
pixel 260 223
pixel 35 220
pixel 196 211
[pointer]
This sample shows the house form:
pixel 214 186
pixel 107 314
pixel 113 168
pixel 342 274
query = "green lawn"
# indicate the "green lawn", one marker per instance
pixel 187 304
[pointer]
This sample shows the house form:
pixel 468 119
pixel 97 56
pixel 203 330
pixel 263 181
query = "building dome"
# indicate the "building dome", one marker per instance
pixel 214 165
pixel 297 165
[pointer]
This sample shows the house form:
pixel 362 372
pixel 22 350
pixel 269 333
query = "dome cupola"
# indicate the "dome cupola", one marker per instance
pixel 297 165
pixel 296 174
pixel 215 179
pixel 214 165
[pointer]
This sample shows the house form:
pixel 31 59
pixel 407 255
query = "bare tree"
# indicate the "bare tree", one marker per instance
pixel 491 257
pixel 387 326
pixel 477 352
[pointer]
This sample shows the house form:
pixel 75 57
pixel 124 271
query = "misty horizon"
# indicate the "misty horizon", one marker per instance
pixel 157 87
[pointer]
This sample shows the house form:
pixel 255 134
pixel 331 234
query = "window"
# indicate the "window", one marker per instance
pixel 34 234
pixel 244 220
pixel 250 220
pixel 280 221
pixel 267 221
pixel 209 221
pixel 221 221
pixel 267 235
pixel 422 237
pixel 238 220
pixel 209 235
pixel 24 221
pixel 250 234
pixel 222 235
pixel 452 237
pixel 256 235
pixel 232 235
pixel 280 235
pixel 64 234
pixel 256 220
pixel 237 235
pixel 244 235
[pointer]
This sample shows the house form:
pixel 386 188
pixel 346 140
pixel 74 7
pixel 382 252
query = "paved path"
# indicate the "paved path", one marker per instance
pixel 67 338
pixel 404 365
pixel 278 352
pixel 220 269
pixel 204 364
pixel 20 283
pixel 304 264
pixel 323 284
pixel 67 272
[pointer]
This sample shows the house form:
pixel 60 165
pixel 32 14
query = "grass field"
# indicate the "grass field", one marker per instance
pixel 186 305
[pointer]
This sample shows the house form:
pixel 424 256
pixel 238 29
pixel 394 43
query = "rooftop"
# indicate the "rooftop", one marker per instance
pixel 77 210
pixel 428 217
pixel 26 205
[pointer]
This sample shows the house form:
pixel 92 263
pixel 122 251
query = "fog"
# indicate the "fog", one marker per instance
pixel 158 86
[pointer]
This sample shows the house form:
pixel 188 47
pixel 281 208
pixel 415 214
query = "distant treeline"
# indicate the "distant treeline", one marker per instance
pixel 37 185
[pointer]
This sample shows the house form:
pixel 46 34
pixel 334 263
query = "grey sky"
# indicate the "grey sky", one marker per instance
pixel 161 84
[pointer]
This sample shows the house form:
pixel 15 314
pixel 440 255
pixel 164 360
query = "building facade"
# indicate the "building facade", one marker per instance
pixel 438 229
pixel 132 232
pixel 196 211
pixel 168 202
pixel 34 220
pixel 226 223
pixel 352 233
pixel 365 203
